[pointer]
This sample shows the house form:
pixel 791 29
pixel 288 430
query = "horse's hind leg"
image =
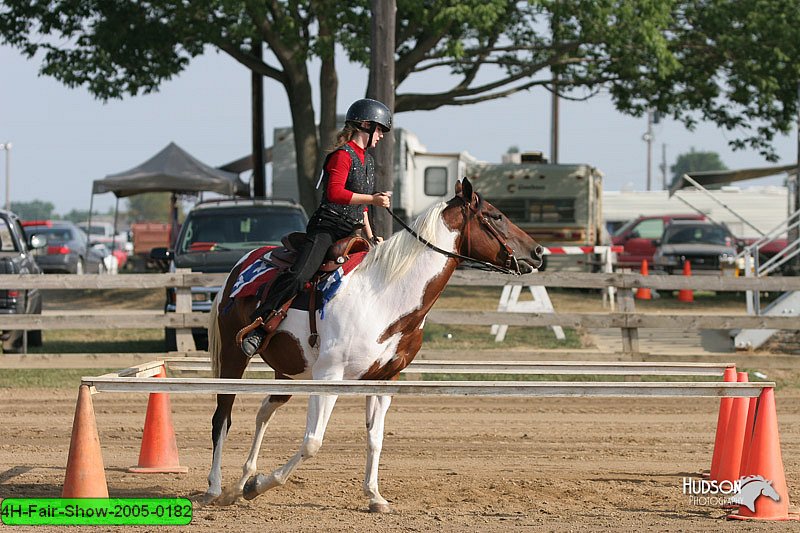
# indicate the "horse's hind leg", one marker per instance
pixel 220 424
pixel 319 412
pixel 265 413
pixel 377 406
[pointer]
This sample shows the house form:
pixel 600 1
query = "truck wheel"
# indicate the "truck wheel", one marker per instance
pixel 170 342
pixel 14 342
pixel 35 338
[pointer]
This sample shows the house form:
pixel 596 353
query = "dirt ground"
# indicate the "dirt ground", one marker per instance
pixel 550 464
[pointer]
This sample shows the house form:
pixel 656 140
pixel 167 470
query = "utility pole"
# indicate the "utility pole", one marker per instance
pixel 554 100
pixel 663 166
pixel 648 138
pixel 381 87
pixel 794 202
pixel 7 148
pixel 257 99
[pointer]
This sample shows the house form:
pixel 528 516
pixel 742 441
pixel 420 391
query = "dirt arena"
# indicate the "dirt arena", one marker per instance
pixel 448 464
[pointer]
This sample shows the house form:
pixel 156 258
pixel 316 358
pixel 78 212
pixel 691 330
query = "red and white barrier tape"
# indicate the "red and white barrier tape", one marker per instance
pixel 573 250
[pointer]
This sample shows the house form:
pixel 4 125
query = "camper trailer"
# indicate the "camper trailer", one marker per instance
pixel 559 205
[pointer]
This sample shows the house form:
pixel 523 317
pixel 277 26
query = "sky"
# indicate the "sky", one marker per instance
pixel 63 139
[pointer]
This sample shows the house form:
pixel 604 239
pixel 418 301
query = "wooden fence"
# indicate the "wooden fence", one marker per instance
pixel 626 317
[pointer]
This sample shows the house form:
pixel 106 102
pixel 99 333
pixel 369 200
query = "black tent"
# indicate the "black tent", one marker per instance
pixel 170 170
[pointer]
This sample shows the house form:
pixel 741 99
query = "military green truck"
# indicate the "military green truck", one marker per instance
pixel 560 205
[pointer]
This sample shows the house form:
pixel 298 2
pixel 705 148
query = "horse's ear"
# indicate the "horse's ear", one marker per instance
pixel 465 188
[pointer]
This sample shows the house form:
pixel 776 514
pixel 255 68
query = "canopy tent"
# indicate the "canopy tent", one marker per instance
pixel 716 177
pixel 170 170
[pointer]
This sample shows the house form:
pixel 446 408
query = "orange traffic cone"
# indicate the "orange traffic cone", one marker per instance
pixel 748 437
pixel 771 502
pixel 159 452
pixel 731 458
pixel 643 293
pixel 722 423
pixel 85 476
pixel 686 295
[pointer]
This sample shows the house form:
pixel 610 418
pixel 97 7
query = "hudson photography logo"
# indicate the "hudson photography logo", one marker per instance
pixel 744 491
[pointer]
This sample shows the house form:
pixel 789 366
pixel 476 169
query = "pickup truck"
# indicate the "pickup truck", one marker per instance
pixel 214 236
pixel 16 258
pixel 638 235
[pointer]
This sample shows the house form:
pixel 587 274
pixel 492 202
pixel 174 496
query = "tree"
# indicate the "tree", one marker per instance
pixel 694 161
pixel 736 64
pixel 33 210
pixel 149 207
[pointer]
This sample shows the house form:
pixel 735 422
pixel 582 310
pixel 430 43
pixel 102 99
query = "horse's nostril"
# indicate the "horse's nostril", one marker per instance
pixel 538 251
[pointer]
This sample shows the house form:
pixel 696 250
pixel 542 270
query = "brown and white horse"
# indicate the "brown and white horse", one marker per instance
pixel 370 328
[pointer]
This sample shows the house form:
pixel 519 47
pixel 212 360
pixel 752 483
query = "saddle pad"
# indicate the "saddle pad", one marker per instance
pixel 257 271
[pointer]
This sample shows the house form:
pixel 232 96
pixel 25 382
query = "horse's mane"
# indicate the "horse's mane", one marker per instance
pixel 395 255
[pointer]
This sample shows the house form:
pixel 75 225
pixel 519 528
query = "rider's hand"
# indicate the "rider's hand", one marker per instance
pixel 381 199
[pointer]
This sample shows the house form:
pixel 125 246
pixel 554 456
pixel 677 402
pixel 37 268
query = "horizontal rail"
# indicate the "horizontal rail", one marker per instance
pixel 460 277
pixel 621 368
pixel 551 389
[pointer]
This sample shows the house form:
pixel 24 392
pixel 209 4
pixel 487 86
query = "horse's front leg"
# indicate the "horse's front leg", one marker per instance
pixel 220 424
pixel 377 406
pixel 319 412
pixel 265 412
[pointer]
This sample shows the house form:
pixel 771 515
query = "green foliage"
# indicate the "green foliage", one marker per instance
pixel 736 64
pixel 149 207
pixel 33 210
pixel 696 162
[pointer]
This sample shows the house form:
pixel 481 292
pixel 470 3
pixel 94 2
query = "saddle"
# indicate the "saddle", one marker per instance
pixel 337 254
pixel 284 258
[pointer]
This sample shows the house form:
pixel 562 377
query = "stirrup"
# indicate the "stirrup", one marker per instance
pixel 247 329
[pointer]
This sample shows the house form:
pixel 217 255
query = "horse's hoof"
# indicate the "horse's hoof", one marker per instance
pixel 205 499
pixel 382 508
pixel 250 490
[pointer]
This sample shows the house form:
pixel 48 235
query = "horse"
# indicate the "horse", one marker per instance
pixel 751 488
pixel 370 329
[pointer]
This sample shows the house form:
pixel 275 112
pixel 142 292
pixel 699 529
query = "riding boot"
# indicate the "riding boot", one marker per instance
pixel 251 338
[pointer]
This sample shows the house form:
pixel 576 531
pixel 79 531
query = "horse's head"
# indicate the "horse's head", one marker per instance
pixel 488 235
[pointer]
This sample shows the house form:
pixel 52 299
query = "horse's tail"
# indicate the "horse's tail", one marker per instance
pixel 214 342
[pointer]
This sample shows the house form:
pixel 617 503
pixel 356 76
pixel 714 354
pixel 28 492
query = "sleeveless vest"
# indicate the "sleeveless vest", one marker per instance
pixel 361 180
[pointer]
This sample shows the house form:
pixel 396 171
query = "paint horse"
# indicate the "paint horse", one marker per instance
pixel 370 329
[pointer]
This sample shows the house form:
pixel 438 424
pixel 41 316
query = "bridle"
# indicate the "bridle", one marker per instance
pixel 511 259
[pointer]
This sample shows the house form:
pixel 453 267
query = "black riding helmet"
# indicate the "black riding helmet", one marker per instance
pixel 370 110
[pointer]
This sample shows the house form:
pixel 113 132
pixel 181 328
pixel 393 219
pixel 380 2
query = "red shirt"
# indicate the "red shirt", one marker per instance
pixel 338 168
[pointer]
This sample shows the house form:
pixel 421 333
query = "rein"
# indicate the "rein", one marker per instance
pixel 476 264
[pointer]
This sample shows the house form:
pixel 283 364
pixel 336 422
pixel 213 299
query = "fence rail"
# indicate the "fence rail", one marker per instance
pixel 627 319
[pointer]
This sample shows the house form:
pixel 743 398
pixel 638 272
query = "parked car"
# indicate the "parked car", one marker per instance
pixel 16 258
pixel 67 250
pixel 637 236
pixel 709 248
pixel 215 235
pixel 103 232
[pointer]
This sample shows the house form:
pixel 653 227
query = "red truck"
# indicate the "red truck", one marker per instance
pixel 146 236
pixel 637 236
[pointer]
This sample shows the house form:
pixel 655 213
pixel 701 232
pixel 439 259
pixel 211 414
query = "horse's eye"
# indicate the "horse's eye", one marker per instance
pixel 496 216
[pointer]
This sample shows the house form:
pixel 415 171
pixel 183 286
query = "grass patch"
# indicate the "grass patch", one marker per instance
pixel 46 378
pixel 101 341
pixel 435 336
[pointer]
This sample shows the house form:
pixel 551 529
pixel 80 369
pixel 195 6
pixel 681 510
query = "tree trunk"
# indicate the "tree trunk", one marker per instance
pixel 305 138
pixel 381 87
